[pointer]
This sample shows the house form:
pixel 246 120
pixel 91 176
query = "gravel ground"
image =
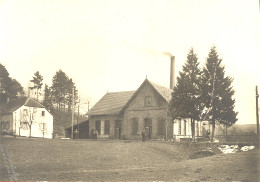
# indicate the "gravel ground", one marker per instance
pixel 85 160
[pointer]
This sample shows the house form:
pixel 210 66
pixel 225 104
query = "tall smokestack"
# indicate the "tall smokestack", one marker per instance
pixel 172 74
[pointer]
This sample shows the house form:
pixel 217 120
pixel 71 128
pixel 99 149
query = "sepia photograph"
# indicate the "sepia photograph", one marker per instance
pixel 130 90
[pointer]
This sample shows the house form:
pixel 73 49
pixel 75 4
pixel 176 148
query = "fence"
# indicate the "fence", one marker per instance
pixel 237 138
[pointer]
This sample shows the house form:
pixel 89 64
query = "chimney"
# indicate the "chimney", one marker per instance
pixel 172 74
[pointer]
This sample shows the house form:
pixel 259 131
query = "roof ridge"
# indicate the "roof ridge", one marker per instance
pixel 159 85
pixel 122 91
pixel 27 100
pixel 165 92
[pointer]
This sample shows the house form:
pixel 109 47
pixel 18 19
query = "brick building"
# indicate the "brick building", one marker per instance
pixel 123 115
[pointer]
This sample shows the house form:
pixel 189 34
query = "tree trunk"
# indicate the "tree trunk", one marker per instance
pixel 30 131
pixel 1 129
pixel 192 128
pixel 37 94
pixel 213 125
pixel 213 120
pixel 226 133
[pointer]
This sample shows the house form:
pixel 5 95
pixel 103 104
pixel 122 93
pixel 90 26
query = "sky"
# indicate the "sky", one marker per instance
pixel 107 46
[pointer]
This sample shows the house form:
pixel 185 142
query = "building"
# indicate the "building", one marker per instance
pixel 24 112
pixel 123 115
pixel 82 128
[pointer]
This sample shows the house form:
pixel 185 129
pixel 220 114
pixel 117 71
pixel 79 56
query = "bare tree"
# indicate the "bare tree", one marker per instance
pixel 29 116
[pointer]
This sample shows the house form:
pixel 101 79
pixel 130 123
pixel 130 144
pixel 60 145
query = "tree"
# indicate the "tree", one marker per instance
pixel 9 87
pixel 62 90
pixel 3 119
pixel 47 100
pixel 58 88
pixel 29 117
pixel 186 95
pixel 15 89
pixel 217 92
pixel 68 99
pixel 37 80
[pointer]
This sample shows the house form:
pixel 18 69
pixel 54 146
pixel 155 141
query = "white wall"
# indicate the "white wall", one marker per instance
pixel 37 131
pixel 198 128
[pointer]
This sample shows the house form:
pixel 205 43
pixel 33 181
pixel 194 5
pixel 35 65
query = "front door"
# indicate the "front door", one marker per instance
pixel 117 129
pixel 148 127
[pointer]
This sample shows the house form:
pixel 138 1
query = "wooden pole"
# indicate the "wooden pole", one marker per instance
pixel 78 115
pixel 15 125
pixel 72 113
pixel 257 117
pixel 166 126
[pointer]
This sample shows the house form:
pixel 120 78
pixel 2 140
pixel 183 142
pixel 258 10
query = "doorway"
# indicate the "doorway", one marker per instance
pixel 148 127
pixel 117 129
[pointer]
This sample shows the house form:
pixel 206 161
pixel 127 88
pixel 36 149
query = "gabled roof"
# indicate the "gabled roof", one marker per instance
pixel 13 105
pixel 116 102
pixel 165 92
pixel 111 103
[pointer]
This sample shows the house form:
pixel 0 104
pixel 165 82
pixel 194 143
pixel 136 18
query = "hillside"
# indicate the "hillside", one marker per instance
pixel 62 120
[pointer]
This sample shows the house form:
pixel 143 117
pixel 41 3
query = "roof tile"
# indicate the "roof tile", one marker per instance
pixel 13 105
pixel 114 102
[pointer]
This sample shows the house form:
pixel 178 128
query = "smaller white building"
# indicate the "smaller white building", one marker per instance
pixel 182 129
pixel 25 113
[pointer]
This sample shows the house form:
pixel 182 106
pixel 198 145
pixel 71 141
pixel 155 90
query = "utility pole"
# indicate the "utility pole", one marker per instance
pixel 15 125
pixel 72 113
pixel 78 115
pixel 213 105
pixel 257 118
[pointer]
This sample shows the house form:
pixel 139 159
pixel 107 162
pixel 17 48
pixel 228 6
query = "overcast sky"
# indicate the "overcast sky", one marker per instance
pixel 113 45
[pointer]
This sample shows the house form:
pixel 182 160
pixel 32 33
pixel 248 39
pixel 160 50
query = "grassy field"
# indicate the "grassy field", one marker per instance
pixel 85 160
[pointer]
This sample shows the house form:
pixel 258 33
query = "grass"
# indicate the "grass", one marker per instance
pixel 113 160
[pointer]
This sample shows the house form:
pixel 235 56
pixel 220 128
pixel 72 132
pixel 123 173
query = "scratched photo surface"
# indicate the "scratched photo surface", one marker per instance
pixel 129 90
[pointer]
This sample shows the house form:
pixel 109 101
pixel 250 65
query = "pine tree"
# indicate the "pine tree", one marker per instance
pixel 186 96
pixel 62 90
pixel 58 87
pixel 47 101
pixel 68 99
pixel 37 80
pixel 218 92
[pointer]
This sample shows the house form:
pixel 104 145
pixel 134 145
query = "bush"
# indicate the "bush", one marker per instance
pixel 202 153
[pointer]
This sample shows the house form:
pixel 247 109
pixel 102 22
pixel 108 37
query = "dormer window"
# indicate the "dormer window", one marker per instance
pixel 148 101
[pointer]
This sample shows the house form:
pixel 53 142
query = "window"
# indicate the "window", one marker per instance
pixel 42 127
pixel 107 127
pixel 161 126
pixel 43 113
pixel 24 125
pixel 134 126
pixel 148 101
pixel 25 112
